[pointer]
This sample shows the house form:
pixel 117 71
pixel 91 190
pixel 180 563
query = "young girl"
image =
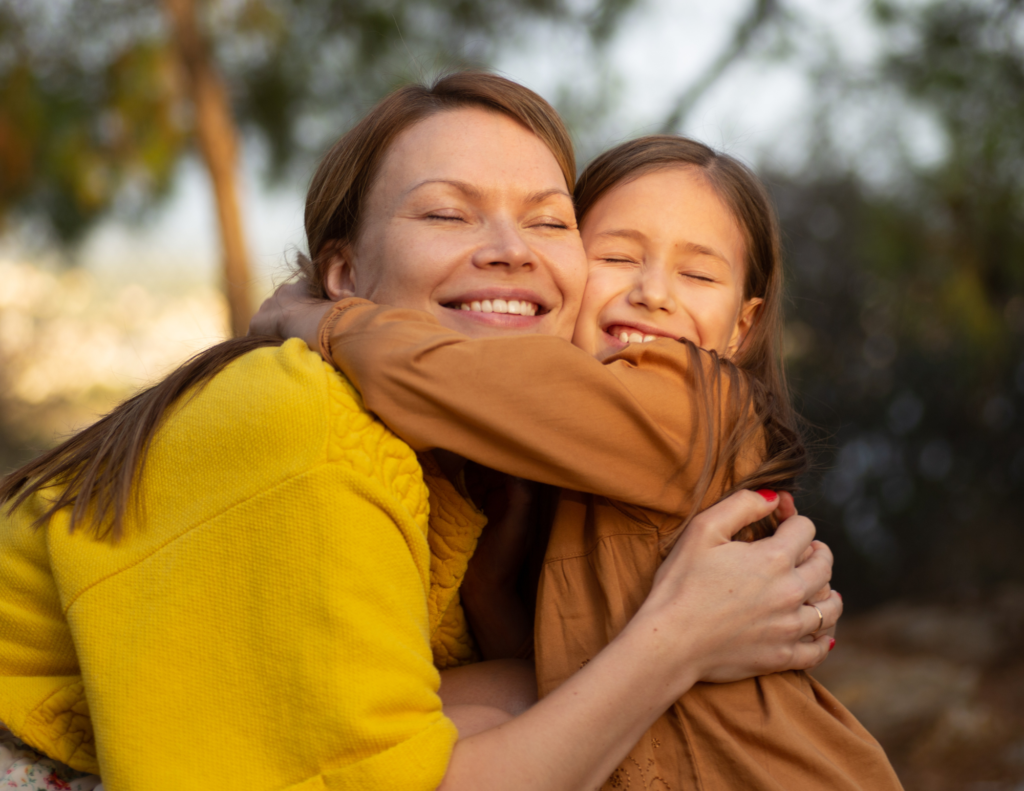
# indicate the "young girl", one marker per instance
pixel 685 402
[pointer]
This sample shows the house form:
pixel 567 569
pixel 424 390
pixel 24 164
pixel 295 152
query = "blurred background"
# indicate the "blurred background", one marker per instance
pixel 153 161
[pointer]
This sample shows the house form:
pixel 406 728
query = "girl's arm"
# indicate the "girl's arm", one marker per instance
pixel 533 406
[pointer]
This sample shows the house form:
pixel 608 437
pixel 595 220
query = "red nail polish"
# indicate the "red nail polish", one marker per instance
pixel 768 495
pixel 831 643
pixel 839 595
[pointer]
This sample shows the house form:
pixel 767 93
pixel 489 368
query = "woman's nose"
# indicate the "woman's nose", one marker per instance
pixel 505 247
pixel 652 290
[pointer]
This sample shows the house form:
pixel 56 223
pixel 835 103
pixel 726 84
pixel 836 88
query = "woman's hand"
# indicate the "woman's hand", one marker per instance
pixel 787 509
pixel 290 312
pixel 719 610
pixel 738 610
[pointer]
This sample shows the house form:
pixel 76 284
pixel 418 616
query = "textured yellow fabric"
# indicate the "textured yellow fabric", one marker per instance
pixel 264 624
pixel 455 527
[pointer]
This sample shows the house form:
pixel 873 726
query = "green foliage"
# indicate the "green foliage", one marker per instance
pixel 82 120
pixel 908 319
pixel 92 116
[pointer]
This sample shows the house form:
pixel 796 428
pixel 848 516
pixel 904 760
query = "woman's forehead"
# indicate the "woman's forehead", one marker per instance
pixel 481 148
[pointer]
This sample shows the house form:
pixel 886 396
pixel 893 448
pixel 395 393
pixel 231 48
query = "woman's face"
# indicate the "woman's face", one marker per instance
pixel 666 260
pixel 470 220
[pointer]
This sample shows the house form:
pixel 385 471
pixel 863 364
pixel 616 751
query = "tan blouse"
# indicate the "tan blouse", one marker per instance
pixel 617 436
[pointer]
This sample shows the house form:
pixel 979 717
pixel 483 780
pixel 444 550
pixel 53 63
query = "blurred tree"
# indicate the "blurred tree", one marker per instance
pixel 906 337
pixel 99 99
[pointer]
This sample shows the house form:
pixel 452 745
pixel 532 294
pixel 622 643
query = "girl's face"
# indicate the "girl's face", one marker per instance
pixel 470 220
pixel 666 260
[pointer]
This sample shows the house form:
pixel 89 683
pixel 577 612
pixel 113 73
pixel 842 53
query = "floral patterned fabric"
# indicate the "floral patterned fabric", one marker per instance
pixel 25 768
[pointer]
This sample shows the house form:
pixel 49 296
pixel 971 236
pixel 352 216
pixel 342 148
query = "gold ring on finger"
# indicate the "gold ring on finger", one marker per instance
pixel 821 618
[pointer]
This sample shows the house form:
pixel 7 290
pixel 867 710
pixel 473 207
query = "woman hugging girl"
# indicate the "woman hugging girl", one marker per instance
pixel 672 396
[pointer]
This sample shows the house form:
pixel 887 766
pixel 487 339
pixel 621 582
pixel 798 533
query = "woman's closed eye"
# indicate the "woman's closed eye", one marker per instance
pixel 445 215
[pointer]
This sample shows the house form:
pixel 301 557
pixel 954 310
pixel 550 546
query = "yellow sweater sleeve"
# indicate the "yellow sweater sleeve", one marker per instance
pixel 264 624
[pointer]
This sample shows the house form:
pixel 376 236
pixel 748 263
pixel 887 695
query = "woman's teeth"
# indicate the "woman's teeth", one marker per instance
pixel 516 306
pixel 635 337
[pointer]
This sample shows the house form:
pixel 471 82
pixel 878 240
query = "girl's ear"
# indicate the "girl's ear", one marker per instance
pixel 747 319
pixel 340 281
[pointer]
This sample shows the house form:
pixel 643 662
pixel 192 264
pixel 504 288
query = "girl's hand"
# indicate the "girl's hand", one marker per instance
pixel 733 610
pixel 290 312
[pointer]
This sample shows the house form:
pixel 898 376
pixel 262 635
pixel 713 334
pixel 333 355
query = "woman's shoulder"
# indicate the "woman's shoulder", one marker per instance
pixel 278 411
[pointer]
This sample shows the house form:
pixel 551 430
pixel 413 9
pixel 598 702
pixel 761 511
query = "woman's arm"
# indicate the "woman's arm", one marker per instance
pixel 718 611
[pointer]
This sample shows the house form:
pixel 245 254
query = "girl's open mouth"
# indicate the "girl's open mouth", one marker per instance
pixel 629 334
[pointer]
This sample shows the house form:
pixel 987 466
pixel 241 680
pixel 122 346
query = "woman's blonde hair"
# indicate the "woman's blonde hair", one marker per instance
pixel 99 466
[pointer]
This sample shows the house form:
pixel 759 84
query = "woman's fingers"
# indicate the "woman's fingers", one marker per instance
pixel 808 655
pixel 719 523
pixel 830 609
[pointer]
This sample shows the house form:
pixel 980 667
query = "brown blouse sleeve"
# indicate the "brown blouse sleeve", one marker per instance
pixel 534 406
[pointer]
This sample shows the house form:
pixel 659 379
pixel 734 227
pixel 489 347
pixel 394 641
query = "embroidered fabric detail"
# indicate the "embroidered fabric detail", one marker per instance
pixel 362 441
pixel 631 774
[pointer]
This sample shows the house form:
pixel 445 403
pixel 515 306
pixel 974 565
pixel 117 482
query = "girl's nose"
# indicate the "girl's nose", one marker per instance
pixel 504 247
pixel 652 290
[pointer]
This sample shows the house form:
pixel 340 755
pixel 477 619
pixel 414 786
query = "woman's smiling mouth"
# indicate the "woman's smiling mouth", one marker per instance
pixel 515 306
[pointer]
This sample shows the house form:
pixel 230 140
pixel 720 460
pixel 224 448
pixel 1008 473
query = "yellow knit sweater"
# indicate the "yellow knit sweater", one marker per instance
pixel 273 617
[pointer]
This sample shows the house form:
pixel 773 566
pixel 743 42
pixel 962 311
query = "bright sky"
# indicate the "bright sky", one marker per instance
pixel 756 111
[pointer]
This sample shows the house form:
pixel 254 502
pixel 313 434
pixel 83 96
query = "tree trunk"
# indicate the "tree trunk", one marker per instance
pixel 218 142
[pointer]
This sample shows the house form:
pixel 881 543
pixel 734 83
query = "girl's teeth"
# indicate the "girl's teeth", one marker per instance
pixel 514 306
pixel 632 337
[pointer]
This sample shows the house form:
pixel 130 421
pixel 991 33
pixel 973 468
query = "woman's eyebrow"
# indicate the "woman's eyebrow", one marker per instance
pixel 462 186
pixel 471 191
pixel 543 195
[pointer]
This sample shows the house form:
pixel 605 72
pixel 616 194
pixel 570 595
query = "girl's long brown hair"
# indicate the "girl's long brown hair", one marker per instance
pixel 754 382
pixel 96 470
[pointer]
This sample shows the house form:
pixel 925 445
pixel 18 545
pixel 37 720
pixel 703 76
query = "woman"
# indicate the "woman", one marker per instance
pixel 268 603
pixel 682 245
